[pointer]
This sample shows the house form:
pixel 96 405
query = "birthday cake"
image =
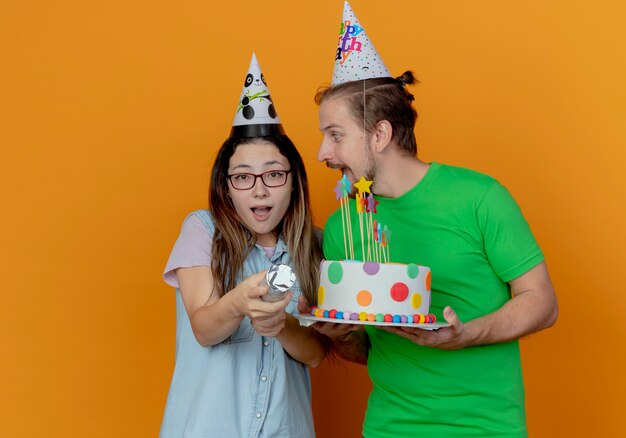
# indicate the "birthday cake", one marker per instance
pixel 371 291
pixel 374 289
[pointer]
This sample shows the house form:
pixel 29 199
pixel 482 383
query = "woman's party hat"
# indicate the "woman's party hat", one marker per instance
pixel 256 115
pixel 356 58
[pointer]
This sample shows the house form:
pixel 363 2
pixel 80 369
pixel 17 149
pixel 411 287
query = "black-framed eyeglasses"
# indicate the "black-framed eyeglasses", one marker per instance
pixel 271 178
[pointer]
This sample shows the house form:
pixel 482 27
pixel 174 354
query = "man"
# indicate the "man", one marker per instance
pixel 490 281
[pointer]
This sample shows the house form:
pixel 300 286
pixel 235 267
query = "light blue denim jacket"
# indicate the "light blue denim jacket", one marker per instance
pixel 246 386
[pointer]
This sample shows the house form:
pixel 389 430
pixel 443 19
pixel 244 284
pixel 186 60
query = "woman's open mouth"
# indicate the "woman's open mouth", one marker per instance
pixel 261 213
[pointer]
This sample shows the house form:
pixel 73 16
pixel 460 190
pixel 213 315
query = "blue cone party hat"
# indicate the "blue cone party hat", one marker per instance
pixel 256 114
pixel 356 57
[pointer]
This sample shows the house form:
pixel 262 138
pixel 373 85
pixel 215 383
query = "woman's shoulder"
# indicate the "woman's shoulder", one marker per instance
pixel 198 222
pixel 203 216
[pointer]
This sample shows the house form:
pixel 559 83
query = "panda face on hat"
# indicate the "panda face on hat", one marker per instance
pixel 256 88
pixel 250 79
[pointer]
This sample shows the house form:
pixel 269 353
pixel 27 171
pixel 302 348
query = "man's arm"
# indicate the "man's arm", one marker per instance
pixel 349 341
pixel 533 307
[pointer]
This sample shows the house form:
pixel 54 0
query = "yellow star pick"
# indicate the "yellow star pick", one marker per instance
pixel 363 186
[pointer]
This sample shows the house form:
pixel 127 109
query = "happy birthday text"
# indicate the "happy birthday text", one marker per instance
pixel 348 41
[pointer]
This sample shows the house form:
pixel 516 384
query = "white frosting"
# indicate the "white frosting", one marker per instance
pixel 387 288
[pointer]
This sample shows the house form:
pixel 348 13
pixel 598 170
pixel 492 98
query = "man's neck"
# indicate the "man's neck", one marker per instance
pixel 397 176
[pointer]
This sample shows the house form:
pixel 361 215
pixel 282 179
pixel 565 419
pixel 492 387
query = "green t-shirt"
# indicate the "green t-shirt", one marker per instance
pixel 468 229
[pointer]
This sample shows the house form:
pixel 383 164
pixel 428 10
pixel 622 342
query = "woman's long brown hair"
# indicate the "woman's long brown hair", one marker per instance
pixel 233 241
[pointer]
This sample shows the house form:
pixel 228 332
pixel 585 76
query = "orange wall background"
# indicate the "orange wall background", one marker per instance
pixel 110 117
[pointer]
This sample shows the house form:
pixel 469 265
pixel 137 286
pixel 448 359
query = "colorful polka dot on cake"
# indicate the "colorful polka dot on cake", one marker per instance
pixel 320 295
pixel 412 270
pixel 335 272
pixel 416 301
pixel 371 268
pixel 399 292
pixel 364 298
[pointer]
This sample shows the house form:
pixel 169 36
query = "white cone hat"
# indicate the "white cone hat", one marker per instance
pixel 356 57
pixel 256 115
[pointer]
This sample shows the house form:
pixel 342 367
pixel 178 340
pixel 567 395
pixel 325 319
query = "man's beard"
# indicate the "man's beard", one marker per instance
pixel 370 165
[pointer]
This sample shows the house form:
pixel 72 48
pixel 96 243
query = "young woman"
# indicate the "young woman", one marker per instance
pixel 241 362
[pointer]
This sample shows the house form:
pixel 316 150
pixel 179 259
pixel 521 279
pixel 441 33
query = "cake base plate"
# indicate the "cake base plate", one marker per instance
pixel 307 320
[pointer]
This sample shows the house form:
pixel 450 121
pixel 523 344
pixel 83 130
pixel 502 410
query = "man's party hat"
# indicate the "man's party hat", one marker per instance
pixel 356 58
pixel 256 115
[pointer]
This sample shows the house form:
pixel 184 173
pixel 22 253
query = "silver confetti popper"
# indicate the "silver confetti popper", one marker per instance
pixel 278 280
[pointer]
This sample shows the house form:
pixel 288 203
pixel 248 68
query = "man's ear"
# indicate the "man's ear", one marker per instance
pixel 383 133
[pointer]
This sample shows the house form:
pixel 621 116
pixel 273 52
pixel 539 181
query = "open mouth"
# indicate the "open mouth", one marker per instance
pixel 334 166
pixel 261 213
pixel 341 168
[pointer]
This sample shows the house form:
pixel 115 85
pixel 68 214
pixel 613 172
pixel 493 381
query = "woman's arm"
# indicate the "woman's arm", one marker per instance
pixel 215 318
pixel 304 344
pixel 301 343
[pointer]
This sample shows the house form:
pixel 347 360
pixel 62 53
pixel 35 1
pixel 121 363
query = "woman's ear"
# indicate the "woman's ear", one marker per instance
pixel 383 133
